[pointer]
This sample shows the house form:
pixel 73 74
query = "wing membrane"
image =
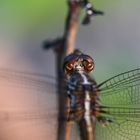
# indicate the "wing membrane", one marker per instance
pixel 121 129
pixel 28 106
pixel 123 89
pixel 125 124
pixel 27 96
pixel 26 79
pixel 120 100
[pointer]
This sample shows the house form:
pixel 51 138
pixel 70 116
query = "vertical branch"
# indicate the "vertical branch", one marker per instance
pixel 71 28
pixel 64 127
pixel 64 46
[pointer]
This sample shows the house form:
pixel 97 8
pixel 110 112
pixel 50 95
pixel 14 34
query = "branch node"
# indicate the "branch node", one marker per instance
pixel 90 11
pixel 49 44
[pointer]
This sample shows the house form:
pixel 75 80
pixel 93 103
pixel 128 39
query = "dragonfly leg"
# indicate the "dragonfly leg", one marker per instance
pixel 104 121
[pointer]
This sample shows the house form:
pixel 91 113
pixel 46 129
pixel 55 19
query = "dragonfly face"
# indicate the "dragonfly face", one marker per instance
pixel 78 61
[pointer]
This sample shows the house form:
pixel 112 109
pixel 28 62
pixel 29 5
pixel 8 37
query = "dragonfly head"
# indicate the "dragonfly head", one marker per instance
pixel 78 62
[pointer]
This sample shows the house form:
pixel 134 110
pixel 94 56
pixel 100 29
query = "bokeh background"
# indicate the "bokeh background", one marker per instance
pixel 112 40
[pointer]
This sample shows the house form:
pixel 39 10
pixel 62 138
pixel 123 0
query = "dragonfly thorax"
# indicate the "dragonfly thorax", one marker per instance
pixel 82 95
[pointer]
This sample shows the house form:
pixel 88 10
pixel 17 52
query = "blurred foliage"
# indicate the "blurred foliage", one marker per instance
pixel 32 13
pixel 21 16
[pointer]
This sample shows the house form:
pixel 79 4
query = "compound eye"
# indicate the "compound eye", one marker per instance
pixel 89 65
pixel 69 66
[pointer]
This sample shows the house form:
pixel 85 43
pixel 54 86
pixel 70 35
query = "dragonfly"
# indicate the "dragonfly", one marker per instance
pixel 29 109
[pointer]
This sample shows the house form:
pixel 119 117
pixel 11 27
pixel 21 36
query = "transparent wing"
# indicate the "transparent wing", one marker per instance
pixel 120 100
pixel 121 129
pixel 123 89
pixel 28 106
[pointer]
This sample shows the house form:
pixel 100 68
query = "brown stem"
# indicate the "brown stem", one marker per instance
pixel 71 28
pixel 67 47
